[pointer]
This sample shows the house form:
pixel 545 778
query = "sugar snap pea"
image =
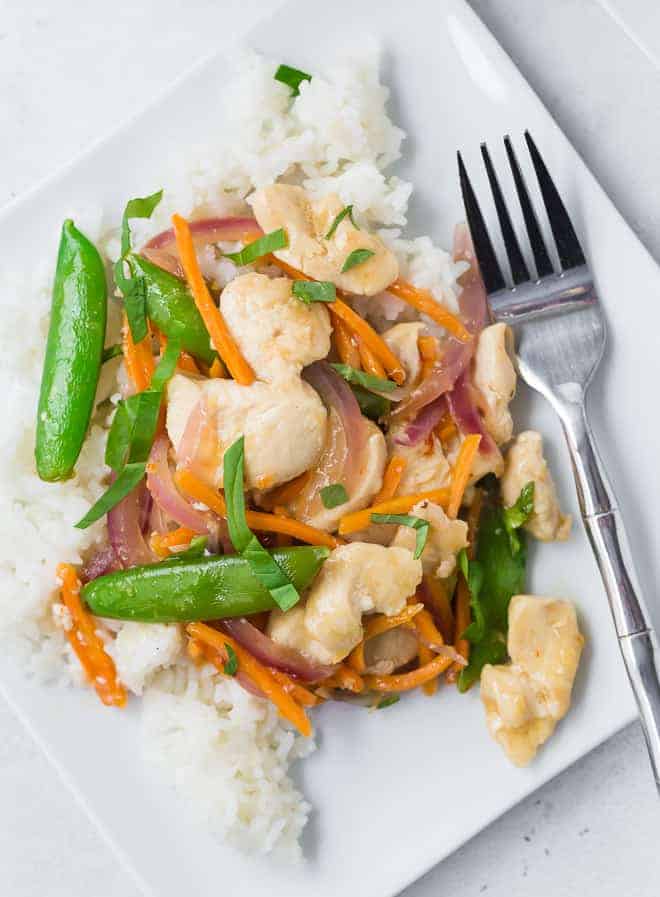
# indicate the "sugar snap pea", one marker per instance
pixel 73 355
pixel 209 588
pixel 172 309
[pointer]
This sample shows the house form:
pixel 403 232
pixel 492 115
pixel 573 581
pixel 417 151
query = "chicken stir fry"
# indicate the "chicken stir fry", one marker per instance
pixel 310 500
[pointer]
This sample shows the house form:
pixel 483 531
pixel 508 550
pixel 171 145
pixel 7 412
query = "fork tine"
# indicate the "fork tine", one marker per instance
pixel 519 272
pixel 490 269
pixel 568 245
pixel 541 257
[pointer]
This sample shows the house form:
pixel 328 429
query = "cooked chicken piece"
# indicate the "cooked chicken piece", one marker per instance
pixel 141 649
pixel 402 340
pixel 357 579
pixel 276 333
pixel 367 484
pixel 284 425
pixel 525 699
pixel 495 377
pixel 524 464
pixel 445 539
pixel 386 652
pixel 426 466
pixel 306 223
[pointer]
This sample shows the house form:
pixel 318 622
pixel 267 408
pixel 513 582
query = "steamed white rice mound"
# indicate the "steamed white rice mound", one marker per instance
pixel 227 752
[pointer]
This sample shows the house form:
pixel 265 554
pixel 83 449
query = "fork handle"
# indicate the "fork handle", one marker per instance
pixel 604 523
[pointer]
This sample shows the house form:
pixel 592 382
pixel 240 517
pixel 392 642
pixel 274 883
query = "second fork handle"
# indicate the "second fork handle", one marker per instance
pixel 637 640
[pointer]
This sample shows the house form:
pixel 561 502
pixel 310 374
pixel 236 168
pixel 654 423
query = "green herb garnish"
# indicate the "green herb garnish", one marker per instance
pixel 111 352
pixel 125 483
pixel 243 539
pixel 357 257
pixel 417 523
pixel 276 239
pixel 293 78
pixel 194 551
pixel 334 495
pixel 231 666
pixel 361 378
pixel 346 211
pixel 387 702
pixel 314 291
pixel 518 514
pixel 372 405
pixel 134 288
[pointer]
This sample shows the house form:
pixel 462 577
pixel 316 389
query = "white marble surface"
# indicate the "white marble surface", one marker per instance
pixel 70 71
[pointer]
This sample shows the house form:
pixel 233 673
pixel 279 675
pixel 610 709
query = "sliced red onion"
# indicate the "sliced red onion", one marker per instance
pixel 342 457
pixel 273 655
pixel 472 299
pixel 466 414
pixel 102 562
pixel 424 424
pixel 199 448
pixel 125 529
pixel 204 231
pixel 161 485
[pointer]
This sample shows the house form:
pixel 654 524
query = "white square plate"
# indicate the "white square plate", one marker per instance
pixel 393 792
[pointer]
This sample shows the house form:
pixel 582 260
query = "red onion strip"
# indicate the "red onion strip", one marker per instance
pixel 466 414
pixel 125 529
pixel 272 654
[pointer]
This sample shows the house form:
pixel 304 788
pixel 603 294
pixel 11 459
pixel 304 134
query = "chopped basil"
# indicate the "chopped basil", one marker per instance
pixel 167 364
pixel 276 239
pixel 387 702
pixel 231 666
pixel 111 352
pixel 347 210
pixel 373 406
pixel 357 257
pixel 518 514
pixel 243 539
pixel 334 495
pixel 314 291
pixel 125 483
pixel 293 78
pixel 361 378
pixel 416 523
pixel 134 288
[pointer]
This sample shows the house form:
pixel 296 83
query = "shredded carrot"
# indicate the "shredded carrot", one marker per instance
pixel 195 488
pixel 163 544
pixel 352 523
pixel 195 651
pixel 138 358
pixel 283 495
pixel 462 617
pixel 369 361
pixel 99 667
pixel 345 344
pixel 460 475
pixel 376 625
pixel 297 691
pixel 426 656
pixel 366 334
pixel 429 633
pixel 428 349
pixel 346 679
pixel 218 370
pixel 426 303
pixel 413 679
pixel 391 479
pixel 259 674
pixel 436 598
pixel 446 429
pixel 221 337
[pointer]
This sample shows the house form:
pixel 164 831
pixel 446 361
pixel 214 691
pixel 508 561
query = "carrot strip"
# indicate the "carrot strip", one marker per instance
pixel 99 667
pixel 138 358
pixel 462 617
pixel 425 302
pixel 221 337
pixel 345 344
pixel 297 691
pixel 218 370
pixel 391 479
pixel 428 349
pixel 195 651
pixel 346 679
pixel 436 599
pixel 352 523
pixel 369 361
pixel 366 334
pixel 446 429
pixel 188 482
pixel 426 656
pixel 259 674
pixel 286 493
pixel 163 544
pixel 460 475
pixel 413 679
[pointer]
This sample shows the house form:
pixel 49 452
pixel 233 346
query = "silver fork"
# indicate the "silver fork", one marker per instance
pixel 560 335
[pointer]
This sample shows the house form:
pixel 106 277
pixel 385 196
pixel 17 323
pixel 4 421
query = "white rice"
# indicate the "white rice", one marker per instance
pixel 226 751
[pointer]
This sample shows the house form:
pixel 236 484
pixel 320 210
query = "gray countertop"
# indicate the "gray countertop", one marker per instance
pixel 592 831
